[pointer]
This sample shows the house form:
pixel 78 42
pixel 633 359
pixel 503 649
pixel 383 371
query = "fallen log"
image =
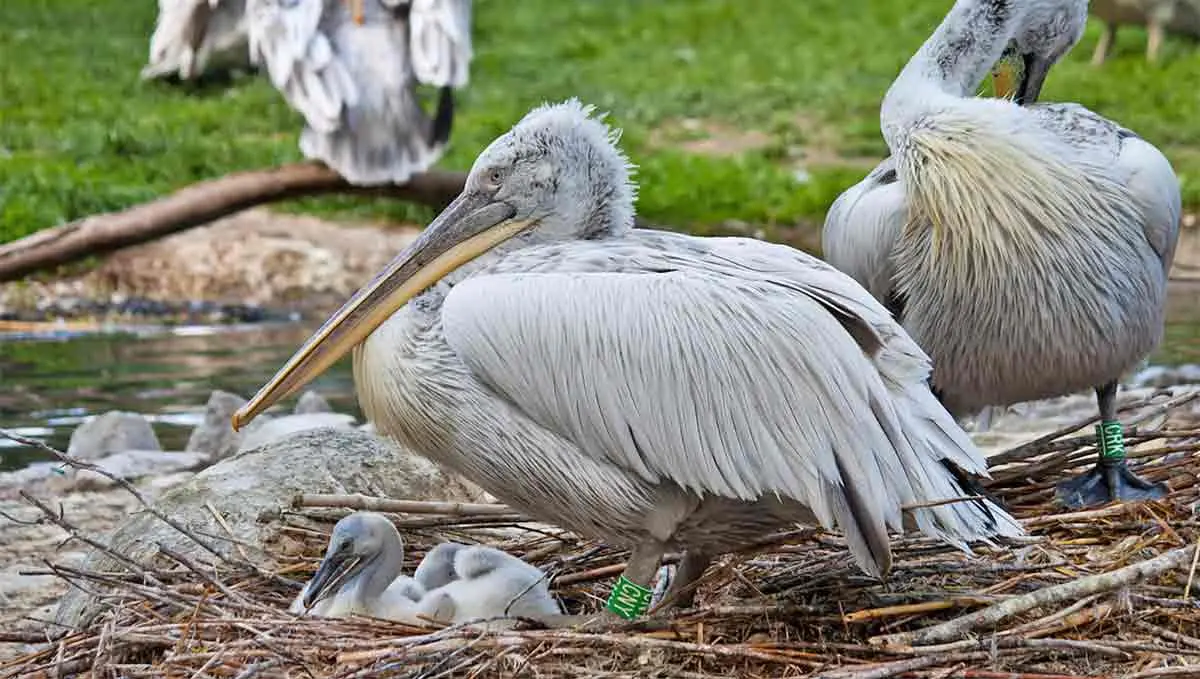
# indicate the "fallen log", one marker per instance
pixel 202 203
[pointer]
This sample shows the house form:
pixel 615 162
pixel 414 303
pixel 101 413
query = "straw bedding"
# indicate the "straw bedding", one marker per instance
pixel 1102 592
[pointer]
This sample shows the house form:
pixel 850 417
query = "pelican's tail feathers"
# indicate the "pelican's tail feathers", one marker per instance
pixel 384 144
pixel 945 470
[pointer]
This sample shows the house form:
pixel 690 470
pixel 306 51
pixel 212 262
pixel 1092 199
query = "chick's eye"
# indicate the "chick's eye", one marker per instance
pixel 496 176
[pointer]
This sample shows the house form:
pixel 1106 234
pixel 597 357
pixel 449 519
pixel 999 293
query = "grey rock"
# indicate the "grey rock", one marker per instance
pixel 215 436
pixel 54 477
pixel 112 432
pixel 311 402
pixel 251 489
pixel 276 428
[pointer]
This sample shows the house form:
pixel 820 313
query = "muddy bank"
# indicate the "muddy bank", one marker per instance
pixel 266 265
pixel 256 265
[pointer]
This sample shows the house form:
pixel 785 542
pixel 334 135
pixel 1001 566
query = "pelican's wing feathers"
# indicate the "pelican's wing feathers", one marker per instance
pixel 188 32
pixel 862 228
pixel 352 83
pixel 741 369
pixel 441 41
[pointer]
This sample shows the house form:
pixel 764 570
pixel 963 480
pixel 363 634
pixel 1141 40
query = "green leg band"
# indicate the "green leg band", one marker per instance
pixel 1110 436
pixel 627 599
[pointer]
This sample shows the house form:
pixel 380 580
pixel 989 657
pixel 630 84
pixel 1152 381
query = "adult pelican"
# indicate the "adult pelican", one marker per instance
pixel 351 68
pixel 646 388
pixel 1025 248
pixel 188 34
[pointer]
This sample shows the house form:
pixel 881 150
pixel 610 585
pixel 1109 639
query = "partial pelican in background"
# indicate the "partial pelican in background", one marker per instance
pixel 360 574
pixel 1025 248
pixel 191 35
pixel 646 388
pixel 485 583
pixel 351 68
pixel 1160 17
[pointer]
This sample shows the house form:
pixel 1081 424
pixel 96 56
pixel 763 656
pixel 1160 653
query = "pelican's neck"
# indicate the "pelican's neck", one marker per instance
pixel 382 571
pixel 951 64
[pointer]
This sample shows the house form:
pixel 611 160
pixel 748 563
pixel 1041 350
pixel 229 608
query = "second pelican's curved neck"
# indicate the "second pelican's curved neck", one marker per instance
pixel 952 62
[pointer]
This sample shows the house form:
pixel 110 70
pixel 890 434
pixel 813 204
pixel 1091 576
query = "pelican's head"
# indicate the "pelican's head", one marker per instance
pixel 1047 31
pixel 357 541
pixel 437 568
pixel 557 174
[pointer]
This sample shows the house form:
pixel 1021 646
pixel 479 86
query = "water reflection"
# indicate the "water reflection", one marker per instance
pixel 50 384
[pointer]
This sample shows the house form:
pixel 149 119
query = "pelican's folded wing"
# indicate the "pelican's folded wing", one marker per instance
pixel 726 385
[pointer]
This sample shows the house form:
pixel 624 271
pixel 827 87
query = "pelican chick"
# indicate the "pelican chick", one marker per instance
pixel 486 583
pixel 646 388
pixel 1025 248
pixel 437 568
pixel 360 574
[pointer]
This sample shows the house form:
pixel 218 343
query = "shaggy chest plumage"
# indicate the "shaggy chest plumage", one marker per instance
pixel 1011 314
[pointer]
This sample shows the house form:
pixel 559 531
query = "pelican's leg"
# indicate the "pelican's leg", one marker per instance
pixel 1104 47
pixel 630 595
pixel 1110 479
pixel 681 593
pixel 1154 39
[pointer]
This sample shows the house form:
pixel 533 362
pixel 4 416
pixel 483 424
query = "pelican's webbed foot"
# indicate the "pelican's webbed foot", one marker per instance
pixel 1109 480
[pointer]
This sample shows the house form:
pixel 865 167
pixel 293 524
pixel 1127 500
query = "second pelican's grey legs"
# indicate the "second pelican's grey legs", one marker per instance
pixel 1110 479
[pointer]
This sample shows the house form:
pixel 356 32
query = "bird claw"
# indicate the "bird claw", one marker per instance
pixel 1108 481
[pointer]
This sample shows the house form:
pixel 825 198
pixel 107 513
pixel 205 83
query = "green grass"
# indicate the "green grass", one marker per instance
pixel 79 133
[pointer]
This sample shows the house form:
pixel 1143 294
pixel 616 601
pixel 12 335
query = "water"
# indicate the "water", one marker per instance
pixel 50 384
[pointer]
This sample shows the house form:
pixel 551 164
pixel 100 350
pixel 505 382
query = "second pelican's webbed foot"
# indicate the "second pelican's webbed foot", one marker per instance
pixel 1110 480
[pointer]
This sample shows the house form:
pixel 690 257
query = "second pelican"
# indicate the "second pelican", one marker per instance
pixel 1026 248
pixel 646 388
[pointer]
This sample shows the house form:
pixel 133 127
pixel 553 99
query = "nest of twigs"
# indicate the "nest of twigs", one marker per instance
pixel 1102 592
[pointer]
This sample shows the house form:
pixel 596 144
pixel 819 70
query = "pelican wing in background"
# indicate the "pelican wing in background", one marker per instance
pixel 441 41
pixel 190 33
pixel 352 83
pixel 744 353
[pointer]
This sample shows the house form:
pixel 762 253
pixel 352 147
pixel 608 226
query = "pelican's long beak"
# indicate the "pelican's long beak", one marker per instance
pixel 470 226
pixel 335 570
pixel 1033 76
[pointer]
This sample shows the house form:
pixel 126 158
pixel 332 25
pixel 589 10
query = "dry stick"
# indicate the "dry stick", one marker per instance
pixel 201 203
pixel 126 485
pixel 894 667
pixel 1035 446
pixel 378 504
pixel 1069 591
pixel 195 568
pixel 62 523
pixel 909 609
